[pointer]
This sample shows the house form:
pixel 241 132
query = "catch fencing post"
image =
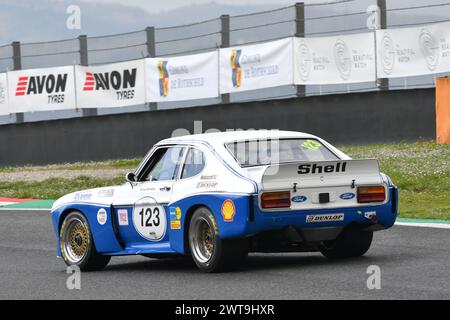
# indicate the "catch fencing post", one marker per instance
pixel 382 83
pixel 300 33
pixel 84 61
pixel 225 43
pixel 151 53
pixel 17 65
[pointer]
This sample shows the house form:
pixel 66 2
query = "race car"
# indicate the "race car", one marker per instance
pixel 218 196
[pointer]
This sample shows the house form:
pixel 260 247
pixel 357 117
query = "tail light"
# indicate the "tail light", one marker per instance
pixel 272 200
pixel 371 194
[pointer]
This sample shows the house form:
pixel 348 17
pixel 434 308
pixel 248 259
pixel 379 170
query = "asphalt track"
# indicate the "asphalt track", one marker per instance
pixel 414 263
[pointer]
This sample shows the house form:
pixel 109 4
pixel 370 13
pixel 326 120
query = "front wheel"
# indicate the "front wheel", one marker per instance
pixel 352 242
pixel 77 245
pixel 209 252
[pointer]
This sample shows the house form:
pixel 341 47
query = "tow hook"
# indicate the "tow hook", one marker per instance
pixel 372 216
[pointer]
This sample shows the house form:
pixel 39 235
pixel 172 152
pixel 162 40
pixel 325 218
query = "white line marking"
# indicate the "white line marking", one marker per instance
pixel 424 225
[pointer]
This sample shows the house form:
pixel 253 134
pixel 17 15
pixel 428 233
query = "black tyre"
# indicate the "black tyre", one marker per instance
pixel 209 252
pixel 77 245
pixel 352 242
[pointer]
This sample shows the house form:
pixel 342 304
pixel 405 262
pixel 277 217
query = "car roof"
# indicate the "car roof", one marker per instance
pixel 220 138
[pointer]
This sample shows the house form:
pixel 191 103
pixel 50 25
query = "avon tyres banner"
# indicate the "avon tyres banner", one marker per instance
pixel 41 89
pixel 112 85
pixel 413 51
pixel 335 60
pixel 256 66
pixel 182 78
pixel 3 95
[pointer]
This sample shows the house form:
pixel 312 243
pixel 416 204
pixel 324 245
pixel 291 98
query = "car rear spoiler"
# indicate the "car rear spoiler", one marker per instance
pixel 321 174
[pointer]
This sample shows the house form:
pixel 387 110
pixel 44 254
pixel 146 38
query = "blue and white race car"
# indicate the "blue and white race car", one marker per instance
pixel 218 196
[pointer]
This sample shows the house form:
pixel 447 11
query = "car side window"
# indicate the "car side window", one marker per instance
pixel 163 165
pixel 194 163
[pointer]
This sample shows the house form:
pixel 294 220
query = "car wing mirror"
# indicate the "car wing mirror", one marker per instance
pixel 130 177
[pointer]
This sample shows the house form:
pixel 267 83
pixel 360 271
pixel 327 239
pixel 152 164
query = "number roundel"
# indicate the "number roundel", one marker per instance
pixel 149 219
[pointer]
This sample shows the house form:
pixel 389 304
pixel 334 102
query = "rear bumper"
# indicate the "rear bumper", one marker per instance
pixel 373 217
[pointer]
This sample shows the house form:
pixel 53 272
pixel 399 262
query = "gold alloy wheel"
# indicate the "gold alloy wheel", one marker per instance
pixel 76 240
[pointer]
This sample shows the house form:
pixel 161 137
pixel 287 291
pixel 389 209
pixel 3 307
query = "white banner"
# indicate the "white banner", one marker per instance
pixel 112 85
pixel 182 78
pixel 413 51
pixel 335 60
pixel 256 66
pixel 3 95
pixel 41 89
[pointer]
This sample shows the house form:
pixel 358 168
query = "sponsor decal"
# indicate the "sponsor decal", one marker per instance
pixel 163 77
pixel 211 177
pixel 347 196
pixel 311 145
pixel 206 184
pixel 102 216
pixel 53 85
pixel 175 218
pixel 299 199
pixel 236 70
pixel 123 217
pixel 325 217
pixel 318 169
pixel 228 210
pixel 80 196
pixel 123 82
pixel 105 193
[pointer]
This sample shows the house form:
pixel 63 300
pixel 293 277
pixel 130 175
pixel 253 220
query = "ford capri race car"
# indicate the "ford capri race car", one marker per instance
pixel 218 196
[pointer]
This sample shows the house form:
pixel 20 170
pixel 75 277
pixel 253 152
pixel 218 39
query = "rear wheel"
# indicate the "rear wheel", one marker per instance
pixel 77 245
pixel 352 242
pixel 209 252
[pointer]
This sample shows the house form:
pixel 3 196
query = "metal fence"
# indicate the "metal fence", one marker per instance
pixel 308 20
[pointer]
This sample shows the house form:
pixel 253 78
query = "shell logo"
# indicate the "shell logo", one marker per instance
pixel 228 210
pixel 178 213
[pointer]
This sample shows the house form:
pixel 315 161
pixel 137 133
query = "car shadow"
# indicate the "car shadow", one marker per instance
pixel 255 262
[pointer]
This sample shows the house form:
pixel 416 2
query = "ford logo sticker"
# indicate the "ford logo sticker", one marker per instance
pixel 299 199
pixel 347 196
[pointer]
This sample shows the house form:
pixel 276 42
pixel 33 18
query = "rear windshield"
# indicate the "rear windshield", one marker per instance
pixel 264 152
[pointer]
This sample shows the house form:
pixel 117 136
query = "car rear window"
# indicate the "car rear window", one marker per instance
pixel 264 152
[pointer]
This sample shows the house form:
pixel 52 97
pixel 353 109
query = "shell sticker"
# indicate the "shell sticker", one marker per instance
pixel 228 210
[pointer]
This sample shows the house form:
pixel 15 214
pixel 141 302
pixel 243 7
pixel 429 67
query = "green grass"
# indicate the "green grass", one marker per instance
pixel 421 170
pixel 53 188
pixel 110 164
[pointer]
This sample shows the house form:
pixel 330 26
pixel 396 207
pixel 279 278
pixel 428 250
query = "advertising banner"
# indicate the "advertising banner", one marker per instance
pixel 41 89
pixel 335 60
pixel 112 85
pixel 182 78
pixel 3 95
pixel 413 51
pixel 256 66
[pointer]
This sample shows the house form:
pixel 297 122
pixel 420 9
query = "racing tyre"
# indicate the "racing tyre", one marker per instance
pixel 352 242
pixel 77 245
pixel 209 252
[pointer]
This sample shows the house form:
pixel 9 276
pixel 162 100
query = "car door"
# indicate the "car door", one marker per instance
pixel 141 206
